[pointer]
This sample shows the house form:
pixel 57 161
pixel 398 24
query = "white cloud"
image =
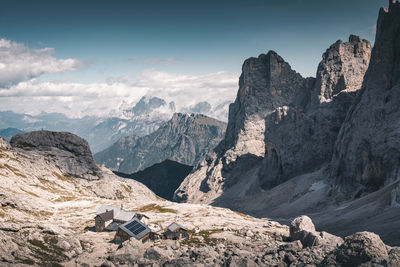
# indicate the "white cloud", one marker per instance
pixel 79 99
pixel 22 90
pixel 20 63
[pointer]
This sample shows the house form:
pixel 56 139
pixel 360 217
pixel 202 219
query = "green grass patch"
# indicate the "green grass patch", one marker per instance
pixel 61 177
pixel 127 188
pixel 65 198
pixel 155 208
pixel 206 237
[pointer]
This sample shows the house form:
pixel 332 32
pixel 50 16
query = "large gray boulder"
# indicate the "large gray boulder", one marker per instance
pixel 71 153
pixel 303 229
pixel 47 139
pixel 357 249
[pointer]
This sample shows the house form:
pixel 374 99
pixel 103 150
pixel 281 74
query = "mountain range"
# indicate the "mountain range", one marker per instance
pixel 325 146
pixel 185 139
pixel 140 118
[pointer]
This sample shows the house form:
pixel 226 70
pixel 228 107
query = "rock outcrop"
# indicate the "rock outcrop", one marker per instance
pixel 360 248
pixel 67 149
pixel 184 139
pixel 342 68
pixel 303 229
pixel 300 140
pixel 367 151
pixel 281 124
pixel 4 144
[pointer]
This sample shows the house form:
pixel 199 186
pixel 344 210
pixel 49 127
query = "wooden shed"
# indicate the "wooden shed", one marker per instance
pixel 176 231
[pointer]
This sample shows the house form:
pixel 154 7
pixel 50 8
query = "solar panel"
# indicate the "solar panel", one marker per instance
pixel 135 227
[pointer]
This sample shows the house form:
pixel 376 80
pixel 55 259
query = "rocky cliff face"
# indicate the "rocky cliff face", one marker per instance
pixel 185 139
pixel 367 152
pixel 281 124
pixel 334 157
pixel 301 140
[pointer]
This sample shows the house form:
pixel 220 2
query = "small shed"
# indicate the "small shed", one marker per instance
pixel 134 228
pixel 176 231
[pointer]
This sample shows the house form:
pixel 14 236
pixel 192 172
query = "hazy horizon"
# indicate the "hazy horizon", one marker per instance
pixel 86 58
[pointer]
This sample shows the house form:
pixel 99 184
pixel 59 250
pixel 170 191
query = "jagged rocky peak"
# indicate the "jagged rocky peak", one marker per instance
pixel 272 125
pixel 342 68
pixel 367 153
pixel 266 82
pixel 270 80
pixel 47 139
pixel 147 104
pixel 183 119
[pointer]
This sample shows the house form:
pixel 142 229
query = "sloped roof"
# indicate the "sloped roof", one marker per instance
pixel 173 227
pixel 103 208
pixel 107 216
pixel 120 215
pixel 124 216
pixel 135 228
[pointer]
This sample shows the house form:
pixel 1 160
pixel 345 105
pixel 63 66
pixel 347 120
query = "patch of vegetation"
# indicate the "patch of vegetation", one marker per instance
pixel 39 214
pixel 127 187
pixel 49 186
pixel 30 193
pixel 6 156
pixel 25 261
pixel 65 198
pixel 61 177
pixel 2 214
pixel 13 170
pixel 47 251
pixel 242 214
pixel 206 237
pixel 156 208
pixel 119 194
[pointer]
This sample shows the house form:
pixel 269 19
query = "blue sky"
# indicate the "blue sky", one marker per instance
pixel 203 36
pixel 118 40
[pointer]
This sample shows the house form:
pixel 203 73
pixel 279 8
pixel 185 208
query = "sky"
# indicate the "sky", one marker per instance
pixel 86 57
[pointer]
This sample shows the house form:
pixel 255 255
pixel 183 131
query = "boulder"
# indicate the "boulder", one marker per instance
pixel 362 247
pixel 303 229
pixel 71 153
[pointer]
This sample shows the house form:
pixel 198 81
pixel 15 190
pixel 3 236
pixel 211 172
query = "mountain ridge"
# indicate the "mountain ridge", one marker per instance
pixel 185 139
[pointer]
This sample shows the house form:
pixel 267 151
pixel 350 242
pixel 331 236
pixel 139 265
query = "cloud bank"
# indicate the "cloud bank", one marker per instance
pixel 20 63
pixel 22 90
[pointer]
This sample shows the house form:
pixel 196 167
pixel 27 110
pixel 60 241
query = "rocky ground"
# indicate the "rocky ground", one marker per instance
pixel 47 218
